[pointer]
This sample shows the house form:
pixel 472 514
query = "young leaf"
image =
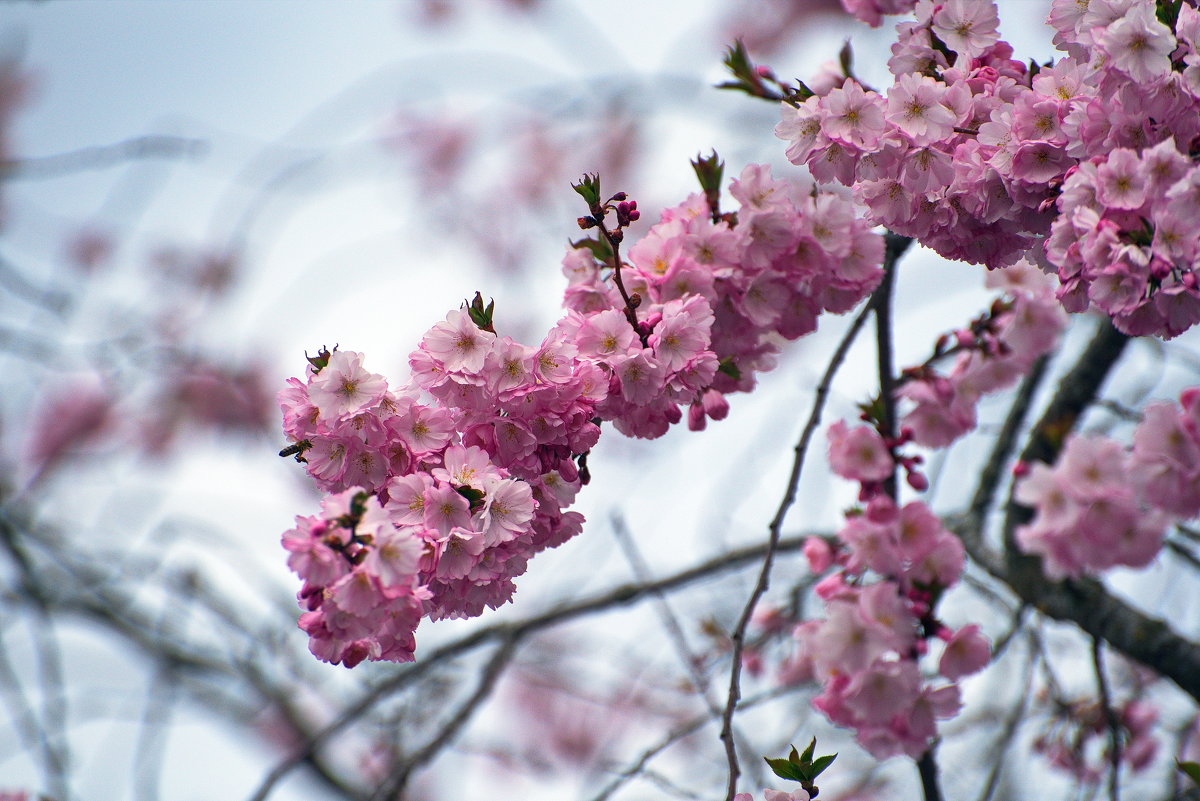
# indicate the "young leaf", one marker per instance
pixel 785 769
pixel 1192 769
pixel 820 763
pixel 589 189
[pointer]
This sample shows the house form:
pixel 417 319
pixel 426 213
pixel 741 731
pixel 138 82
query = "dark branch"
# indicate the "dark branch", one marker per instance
pixel 764 576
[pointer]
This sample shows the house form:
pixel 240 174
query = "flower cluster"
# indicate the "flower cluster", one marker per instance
pixel 1085 163
pixel 1077 738
pixel 990 354
pixel 865 651
pixel 715 294
pixel 471 465
pixel 469 486
pixel 1091 516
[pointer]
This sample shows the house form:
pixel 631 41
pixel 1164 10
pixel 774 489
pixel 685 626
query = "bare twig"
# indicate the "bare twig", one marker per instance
pixel 1110 719
pixel 670 622
pixel 764 576
pixel 619 596
pixel 993 469
pixel 678 733
pixel 1008 734
pixel 394 785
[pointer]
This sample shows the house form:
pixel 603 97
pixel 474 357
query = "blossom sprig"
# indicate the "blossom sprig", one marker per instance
pixel 889 566
pixel 1085 165
pixel 626 212
pixel 759 81
pixel 1103 505
pixel 715 294
pixel 991 353
pixel 471 464
pixel 459 492
pixel 803 768
pixel 893 565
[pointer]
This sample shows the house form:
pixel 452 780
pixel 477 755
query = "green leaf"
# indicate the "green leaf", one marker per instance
pixel 474 497
pixel 709 172
pixel 820 763
pixel 846 59
pixel 803 92
pixel 321 360
pixel 589 189
pixel 738 60
pixel 808 752
pixel 1192 769
pixel 730 369
pixel 481 315
pixel 785 769
pixel 600 249
pixel 1167 12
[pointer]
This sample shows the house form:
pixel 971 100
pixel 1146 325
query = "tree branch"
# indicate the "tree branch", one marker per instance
pixel 623 595
pixel 764 576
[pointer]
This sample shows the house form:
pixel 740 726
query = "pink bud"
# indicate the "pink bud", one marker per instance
pixel 716 405
pixel 695 417
pixel 882 509
pixel 830 587
pixel 752 662
pixel 818 553
pixel 917 480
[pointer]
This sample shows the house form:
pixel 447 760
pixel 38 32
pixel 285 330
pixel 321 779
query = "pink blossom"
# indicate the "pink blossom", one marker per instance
pixel 966 652
pixel 914 106
pixel 458 343
pixel 858 454
pixel 343 387
pixel 852 116
pixel 1138 44
pixel 968 27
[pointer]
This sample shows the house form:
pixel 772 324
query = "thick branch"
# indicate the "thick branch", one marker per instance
pixel 1084 602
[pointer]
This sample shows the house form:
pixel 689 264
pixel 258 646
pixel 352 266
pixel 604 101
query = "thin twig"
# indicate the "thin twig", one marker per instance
pixel 394 785
pixel 1110 718
pixel 1008 734
pixel 993 469
pixel 619 596
pixel 881 303
pixel 1183 552
pixel 764 576
pixel 52 731
pixel 927 768
pixel 678 733
pixel 670 622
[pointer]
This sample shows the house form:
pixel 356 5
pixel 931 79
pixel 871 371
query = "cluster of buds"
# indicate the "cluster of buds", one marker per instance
pixel 625 209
